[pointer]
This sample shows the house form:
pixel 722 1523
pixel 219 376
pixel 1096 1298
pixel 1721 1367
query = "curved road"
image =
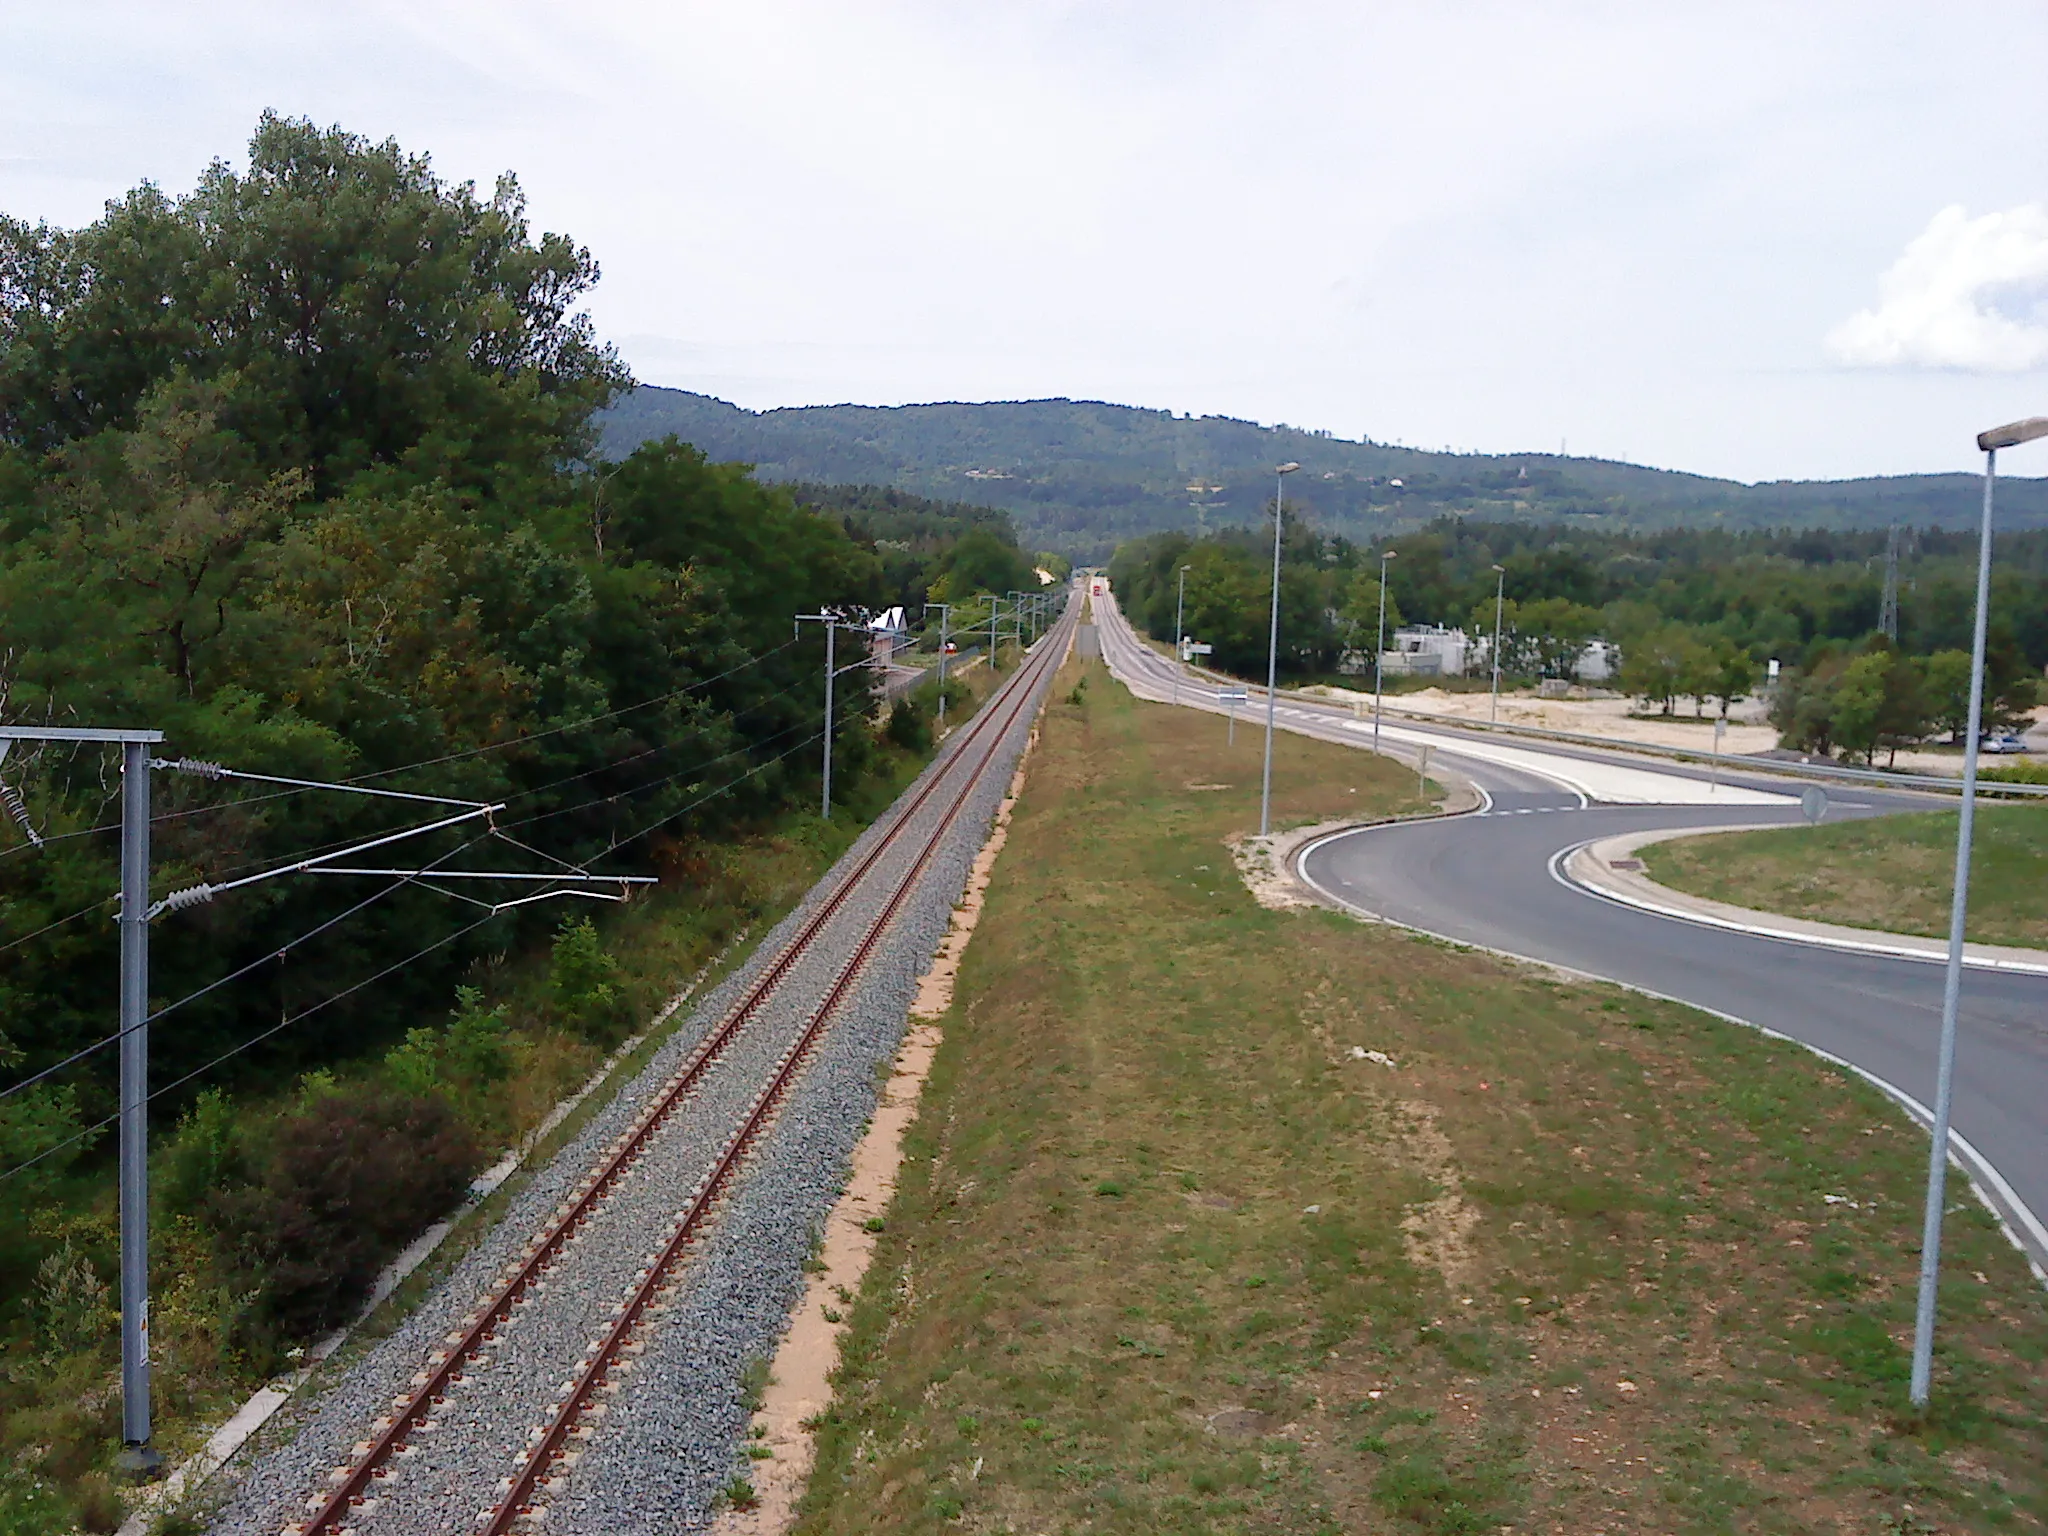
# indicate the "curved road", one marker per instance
pixel 1494 879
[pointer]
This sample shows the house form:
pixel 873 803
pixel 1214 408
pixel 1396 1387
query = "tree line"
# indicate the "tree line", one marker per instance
pixel 1084 476
pixel 301 468
pixel 1694 613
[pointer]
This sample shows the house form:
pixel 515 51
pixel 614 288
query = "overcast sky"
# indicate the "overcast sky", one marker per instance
pixel 1757 240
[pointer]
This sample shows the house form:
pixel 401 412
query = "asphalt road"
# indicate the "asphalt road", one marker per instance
pixel 1493 879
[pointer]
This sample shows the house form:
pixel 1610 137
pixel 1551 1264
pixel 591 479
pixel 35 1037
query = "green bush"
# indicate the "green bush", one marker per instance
pixel 202 1155
pixel 73 1310
pixel 583 982
pixel 342 1183
pixel 29 1505
pixel 910 726
pixel 458 1061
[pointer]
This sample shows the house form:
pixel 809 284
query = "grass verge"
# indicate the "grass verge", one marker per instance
pixel 1171 1254
pixel 1894 873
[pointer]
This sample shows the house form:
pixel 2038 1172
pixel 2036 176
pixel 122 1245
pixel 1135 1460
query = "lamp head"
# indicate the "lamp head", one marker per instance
pixel 1503 570
pixel 2012 434
pixel 1286 469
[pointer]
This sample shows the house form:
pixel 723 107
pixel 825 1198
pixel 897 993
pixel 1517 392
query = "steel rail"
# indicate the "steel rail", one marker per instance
pixel 479 1329
pixel 537 1461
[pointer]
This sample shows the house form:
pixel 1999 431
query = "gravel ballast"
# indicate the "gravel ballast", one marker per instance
pixel 669 1441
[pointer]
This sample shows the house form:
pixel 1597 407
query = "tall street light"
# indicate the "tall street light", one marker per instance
pixel 1273 648
pixel 2010 436
pixel 1380 653
pixel 1180 634
pixel 1500 591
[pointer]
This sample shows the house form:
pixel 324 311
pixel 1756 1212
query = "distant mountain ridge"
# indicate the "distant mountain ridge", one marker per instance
pixel 1081 476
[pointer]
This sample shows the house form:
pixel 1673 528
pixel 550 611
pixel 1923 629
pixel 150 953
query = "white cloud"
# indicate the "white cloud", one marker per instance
pixel 1967 293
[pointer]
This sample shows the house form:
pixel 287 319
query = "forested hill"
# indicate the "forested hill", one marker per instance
pixel 1080 476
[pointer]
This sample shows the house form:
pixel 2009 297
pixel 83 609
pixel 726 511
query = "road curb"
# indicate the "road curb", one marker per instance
pixel 1584 867
pixel 2022 1228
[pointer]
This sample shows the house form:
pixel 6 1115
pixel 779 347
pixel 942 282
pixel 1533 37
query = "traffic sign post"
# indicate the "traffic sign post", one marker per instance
pixel 1232 697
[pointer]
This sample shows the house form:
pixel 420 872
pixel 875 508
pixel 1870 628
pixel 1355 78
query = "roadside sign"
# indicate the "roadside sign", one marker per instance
pixel 1233 697
pixel 1814 803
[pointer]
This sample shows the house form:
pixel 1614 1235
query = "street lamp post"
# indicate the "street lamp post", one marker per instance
pixel 1500 591
pixel 1990 442
pixel 1273 648
pixel 1380 653
pixel 1180 634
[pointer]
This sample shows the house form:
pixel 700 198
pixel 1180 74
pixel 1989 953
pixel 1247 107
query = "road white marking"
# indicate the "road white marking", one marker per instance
pixel 2022 1228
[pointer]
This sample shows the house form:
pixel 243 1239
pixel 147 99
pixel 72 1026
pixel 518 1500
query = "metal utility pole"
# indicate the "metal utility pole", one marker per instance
pixel 137 1456
pixel 1990 442
pixel 995 631
pixel 1888 604
pixel 1500 592
pixel 1180 634
pixel 1379 654
pixel 1021 609
pixel 1280 473
pixel 945 613
pixel 831 621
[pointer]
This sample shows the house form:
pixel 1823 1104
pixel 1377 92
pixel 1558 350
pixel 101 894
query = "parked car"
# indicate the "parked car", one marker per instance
pixel 2002 741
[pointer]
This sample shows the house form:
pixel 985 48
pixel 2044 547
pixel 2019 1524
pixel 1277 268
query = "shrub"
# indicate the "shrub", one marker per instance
pixel 583 981
pixel 72 1310
pixel 202 1155
pixel 909 726
pixel 457 1061
pixel 346 1180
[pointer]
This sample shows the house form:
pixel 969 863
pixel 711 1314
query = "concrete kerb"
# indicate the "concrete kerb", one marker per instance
pixel 2022 1228
pixel 1590 867
pixel 1269 861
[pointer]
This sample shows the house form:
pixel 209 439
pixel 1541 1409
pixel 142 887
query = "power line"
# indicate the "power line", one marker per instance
pixel 431 762
pixel 620 842
pixel 578 725
pixel 641 789
pixel 59 923
pixel 252 1041
pixel 321 848
pixel 264 959
pixel 270 955
pixel 325 1002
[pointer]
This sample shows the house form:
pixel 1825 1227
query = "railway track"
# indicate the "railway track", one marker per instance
pixel 477 1403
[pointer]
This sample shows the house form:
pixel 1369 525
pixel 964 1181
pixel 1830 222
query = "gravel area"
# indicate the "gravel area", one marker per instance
pixel 670 1440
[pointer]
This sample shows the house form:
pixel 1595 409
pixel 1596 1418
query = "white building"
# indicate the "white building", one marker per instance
pixel 1426 650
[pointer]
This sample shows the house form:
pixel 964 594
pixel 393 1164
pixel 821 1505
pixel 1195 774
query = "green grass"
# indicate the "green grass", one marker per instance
pixel 1166 1257
pixel 1893 873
